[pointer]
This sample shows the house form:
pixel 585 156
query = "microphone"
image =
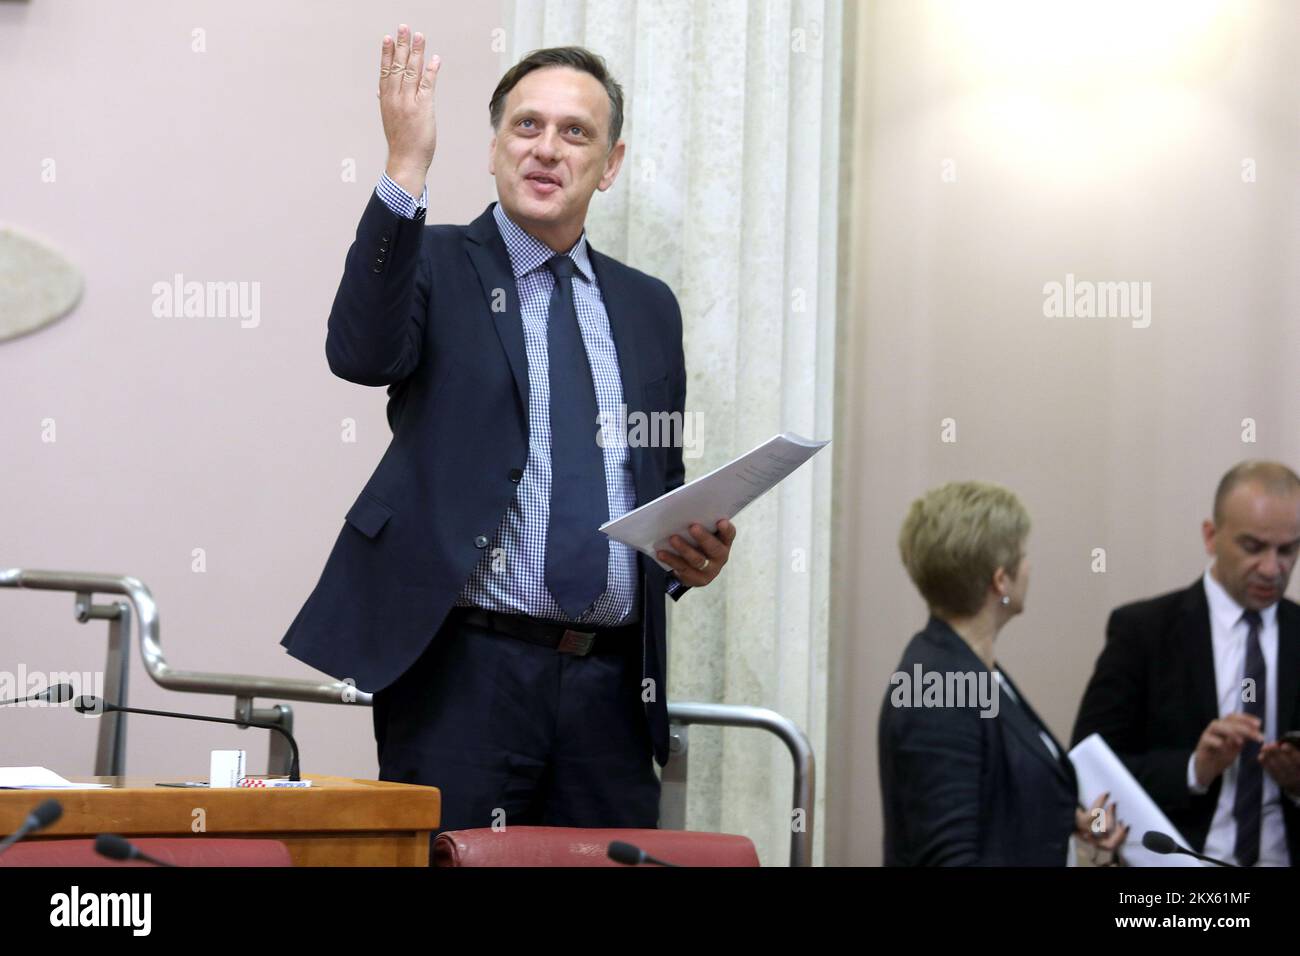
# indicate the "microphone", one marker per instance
pixel 45 813
pixel 621 852
pixel 1158 842
pixel 89 704
pixel 116 848
pixel 54 694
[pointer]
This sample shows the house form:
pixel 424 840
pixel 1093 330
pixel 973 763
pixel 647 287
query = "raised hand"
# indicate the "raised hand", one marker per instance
pixel 406 89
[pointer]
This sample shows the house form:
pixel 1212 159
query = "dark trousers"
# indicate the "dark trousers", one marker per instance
pixel 514 733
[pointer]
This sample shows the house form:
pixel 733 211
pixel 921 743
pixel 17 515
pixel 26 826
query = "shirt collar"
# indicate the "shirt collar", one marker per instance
pixel 528 252
pixel 1227 612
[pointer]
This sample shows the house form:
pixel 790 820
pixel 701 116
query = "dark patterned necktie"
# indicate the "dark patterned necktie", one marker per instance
pixel 577 554
pixel 1249 800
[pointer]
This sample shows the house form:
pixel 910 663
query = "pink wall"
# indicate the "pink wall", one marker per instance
pixel 180 433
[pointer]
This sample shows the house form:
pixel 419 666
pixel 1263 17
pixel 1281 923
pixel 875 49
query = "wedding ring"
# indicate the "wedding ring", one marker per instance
pixel 704 566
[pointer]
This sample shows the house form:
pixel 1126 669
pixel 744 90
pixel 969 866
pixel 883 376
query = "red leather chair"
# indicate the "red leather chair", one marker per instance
pixel 573 846
pixel 184 851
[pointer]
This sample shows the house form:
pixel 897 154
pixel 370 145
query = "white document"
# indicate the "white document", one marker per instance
pixel 39 778
pixel 1098 771
pixel 722 493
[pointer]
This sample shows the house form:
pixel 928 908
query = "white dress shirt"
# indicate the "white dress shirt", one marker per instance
pixel 1228 633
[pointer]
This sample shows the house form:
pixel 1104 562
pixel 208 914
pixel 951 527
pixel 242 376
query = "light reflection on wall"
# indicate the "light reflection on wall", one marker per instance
pixel 1067 92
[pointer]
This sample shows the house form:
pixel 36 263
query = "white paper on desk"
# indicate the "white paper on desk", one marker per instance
pixel 722 493
pixel 1099 770
pixel 40 778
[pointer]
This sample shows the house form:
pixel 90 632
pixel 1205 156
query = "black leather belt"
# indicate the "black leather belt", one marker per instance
pixel 581 639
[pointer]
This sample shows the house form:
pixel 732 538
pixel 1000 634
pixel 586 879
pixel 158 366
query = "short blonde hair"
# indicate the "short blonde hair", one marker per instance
pixel 956 536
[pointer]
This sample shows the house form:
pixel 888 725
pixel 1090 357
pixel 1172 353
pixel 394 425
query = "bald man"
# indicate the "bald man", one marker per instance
pixel 1195 688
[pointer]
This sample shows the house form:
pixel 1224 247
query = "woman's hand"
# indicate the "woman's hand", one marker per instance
pixel 1102 833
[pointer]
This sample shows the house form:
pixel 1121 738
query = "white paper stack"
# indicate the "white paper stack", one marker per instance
pixel 722 493
pixel 40 778
pixel 1099 771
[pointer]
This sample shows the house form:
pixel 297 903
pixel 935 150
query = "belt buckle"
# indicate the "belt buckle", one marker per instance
pixel 576 642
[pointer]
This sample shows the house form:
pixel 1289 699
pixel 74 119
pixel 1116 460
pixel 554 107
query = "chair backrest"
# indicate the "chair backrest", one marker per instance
pixel 572 846
pixel 179 851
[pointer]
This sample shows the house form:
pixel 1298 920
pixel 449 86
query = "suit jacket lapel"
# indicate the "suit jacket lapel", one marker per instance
pixel 625 321
pixel 1020 717
pixel 491 260
pixel 1200 653
pixel 1288 665
pixel 1026 724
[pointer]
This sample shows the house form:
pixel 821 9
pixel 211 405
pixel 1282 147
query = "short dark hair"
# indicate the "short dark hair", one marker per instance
pixel 1276 478
pixel 577 57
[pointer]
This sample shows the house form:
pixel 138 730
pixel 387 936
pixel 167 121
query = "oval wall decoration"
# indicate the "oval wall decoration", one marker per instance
pixel 37 285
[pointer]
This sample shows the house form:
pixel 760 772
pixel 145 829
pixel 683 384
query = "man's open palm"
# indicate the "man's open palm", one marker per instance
pixel 406 87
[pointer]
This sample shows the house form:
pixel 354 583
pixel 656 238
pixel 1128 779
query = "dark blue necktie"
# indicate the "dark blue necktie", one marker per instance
pixel 577 554
pixel 1248 803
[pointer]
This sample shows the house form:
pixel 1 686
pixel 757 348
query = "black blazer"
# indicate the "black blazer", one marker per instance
pixel 432 312
pixel 964 790
pixel 1153 693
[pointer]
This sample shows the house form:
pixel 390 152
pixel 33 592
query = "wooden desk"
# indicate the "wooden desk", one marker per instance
pixel 335 822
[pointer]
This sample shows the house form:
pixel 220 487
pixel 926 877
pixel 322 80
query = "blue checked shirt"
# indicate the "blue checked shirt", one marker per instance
pixel 511 576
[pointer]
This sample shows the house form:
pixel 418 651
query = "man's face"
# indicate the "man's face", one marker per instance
pixel 551 152
pixel 1255 544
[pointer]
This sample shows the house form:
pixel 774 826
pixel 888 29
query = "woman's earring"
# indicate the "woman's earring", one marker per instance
pixel 1005 600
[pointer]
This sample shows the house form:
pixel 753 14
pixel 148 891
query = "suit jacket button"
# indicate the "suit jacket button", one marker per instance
pixel 481 542
pixel 378 269
pixel 516 474
pixel 385 237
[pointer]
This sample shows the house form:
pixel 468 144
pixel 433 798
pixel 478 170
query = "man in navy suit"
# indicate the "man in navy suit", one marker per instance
pixel 516 655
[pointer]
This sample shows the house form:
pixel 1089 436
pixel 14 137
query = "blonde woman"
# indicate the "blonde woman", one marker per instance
pixel 970 775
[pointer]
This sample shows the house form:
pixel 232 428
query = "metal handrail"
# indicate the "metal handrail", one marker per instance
pixel 761 718
pixel 244 687
pixel 163 674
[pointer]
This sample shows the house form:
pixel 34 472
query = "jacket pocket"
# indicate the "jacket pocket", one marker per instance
pixel 369 515
pixel 655 395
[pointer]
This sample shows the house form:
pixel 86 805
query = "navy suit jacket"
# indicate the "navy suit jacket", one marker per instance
pixel 432 313
pixel 964 790
pixel 1154 691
